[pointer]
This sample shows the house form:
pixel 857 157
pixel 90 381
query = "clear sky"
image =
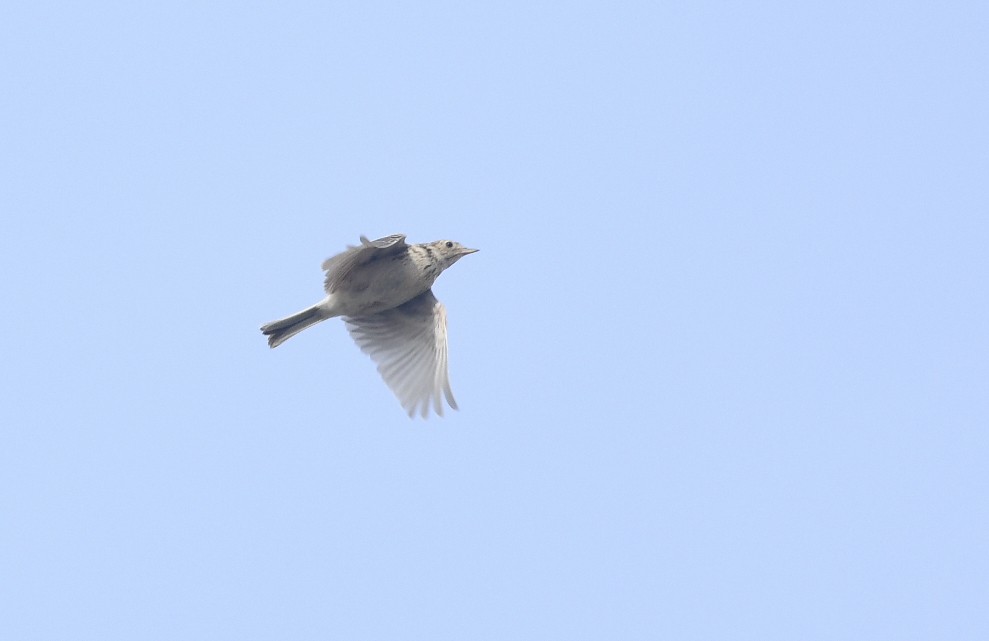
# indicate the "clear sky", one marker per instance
pixel 722 361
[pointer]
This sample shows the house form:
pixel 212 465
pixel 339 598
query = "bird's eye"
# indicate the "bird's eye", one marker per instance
pixel 449 244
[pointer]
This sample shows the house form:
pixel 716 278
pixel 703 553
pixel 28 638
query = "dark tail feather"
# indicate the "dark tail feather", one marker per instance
pixel 280 331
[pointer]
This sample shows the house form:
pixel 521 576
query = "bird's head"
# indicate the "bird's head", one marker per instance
pixel 450 251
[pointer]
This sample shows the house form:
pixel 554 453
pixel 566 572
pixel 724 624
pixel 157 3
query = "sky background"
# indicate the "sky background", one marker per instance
pixel 722 360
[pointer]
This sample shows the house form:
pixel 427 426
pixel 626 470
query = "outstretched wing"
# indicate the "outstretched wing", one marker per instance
pixel 337 267
pixel 408 343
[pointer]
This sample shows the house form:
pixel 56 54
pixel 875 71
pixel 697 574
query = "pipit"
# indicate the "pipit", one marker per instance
pixel 382 289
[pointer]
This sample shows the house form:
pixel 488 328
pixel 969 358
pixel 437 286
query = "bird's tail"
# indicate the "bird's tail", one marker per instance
pixel 280 331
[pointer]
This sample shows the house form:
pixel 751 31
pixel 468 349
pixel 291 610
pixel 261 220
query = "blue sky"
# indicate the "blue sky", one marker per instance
pixel 721 361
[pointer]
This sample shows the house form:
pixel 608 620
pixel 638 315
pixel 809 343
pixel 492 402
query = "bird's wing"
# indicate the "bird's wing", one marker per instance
pixel 408 343
pixel 337 267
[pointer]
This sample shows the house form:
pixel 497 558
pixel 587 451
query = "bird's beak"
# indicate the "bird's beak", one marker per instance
pixel 465 251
